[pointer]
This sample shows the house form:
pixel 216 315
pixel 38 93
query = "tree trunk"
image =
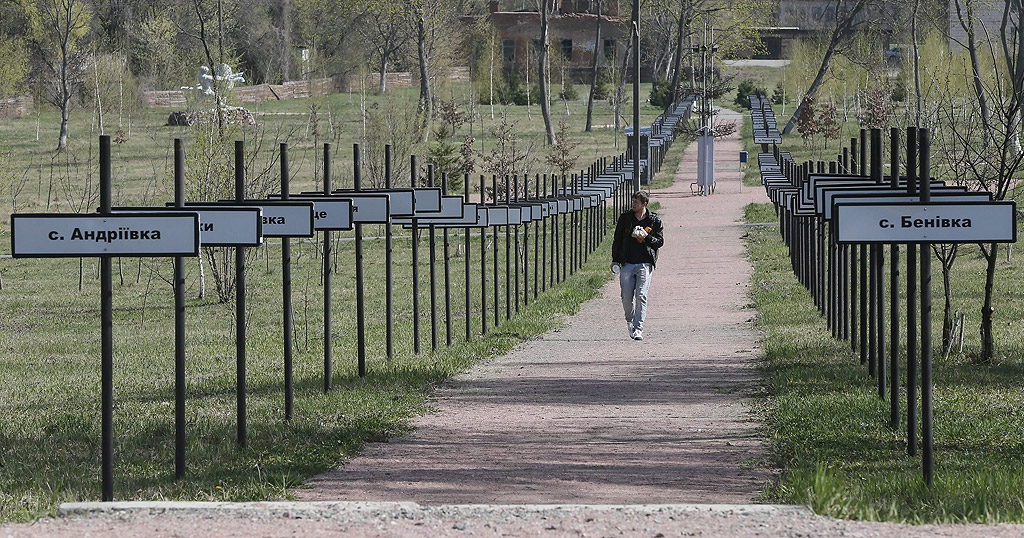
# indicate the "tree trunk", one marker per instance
pixel 593 70
pixel 1014 131
pixel 383 74
pixel 529 98
pixel 917 93
pixel 62 139
pixel 220 32
pixel 545 108
pixel 96 87
pixel 680 28
pixel 426 100
pixel 65 97
pixel 65 66
pixel 947 256
pixel 286 39
pixel 979 88
pixel 202 278
pixel 987 340
pixel 814 86
pixel 620 92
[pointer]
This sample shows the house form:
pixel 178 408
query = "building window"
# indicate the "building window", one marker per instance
pixel 609 49
pixel 508 50
pixel 567 49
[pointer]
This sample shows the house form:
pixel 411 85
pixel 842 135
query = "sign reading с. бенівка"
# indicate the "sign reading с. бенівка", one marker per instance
pixel 983 222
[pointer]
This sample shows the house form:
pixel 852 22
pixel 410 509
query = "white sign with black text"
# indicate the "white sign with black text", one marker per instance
pixel 126 234
pixel 984 222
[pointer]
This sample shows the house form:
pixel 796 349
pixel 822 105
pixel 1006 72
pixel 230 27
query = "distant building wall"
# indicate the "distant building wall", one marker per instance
pixel 571 35
pixel 300 88
pixel 16 107
pixel 989 15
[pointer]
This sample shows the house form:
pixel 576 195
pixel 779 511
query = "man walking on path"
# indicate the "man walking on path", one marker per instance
pixel 634 258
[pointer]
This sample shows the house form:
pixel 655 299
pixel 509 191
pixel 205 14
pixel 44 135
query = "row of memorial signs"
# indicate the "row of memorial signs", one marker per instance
pixel 873 212
pixel 170 231
pixel 863 211
pixel 762 119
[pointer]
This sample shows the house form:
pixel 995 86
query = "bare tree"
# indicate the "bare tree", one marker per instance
pixel 382 25
pixel 991 159
pixel 434 23
pixel 682 26
pixel 57 26
pixel 426 99
pixel 846 14
pixel 967 20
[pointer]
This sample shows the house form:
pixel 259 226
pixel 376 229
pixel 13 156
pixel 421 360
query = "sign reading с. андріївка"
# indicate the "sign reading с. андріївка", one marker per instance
pixel 67 235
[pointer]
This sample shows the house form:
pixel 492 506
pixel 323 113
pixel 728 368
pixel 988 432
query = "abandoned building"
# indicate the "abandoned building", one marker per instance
pixel 571 29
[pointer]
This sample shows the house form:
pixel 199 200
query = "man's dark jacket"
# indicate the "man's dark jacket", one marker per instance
pixel 624 230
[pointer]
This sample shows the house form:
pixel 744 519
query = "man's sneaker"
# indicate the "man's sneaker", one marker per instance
pixel 630 329
pixel 638 335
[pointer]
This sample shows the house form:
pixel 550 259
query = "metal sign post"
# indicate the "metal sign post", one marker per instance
pixel 107 332
pixel 542 195
pixel 912 304
pixel 328 326
pixel 240 357
pixel 469 259
pixel 928 449
pixel 286 297
pixel 894 296
pixel 179 322
pixel 494 197
pixel 483 261
pixel 508 257
pixel 447 274
pixel 515 191
pixel 415 265
pixel 360 303
pixel 389 302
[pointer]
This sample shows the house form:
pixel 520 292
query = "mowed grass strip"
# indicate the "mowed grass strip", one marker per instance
pixel 829 432
pixel 49 369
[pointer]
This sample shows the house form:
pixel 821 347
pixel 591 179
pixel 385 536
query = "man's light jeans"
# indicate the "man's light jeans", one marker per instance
pixel 634 281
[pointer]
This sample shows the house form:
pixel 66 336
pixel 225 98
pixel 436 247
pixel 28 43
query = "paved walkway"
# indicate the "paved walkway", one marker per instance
pixel 586 415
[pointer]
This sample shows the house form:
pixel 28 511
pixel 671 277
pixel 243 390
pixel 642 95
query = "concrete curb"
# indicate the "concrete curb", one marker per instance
pixel 319 509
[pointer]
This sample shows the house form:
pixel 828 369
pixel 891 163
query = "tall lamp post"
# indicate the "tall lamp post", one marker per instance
pixel 636 95
pixel 706 139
